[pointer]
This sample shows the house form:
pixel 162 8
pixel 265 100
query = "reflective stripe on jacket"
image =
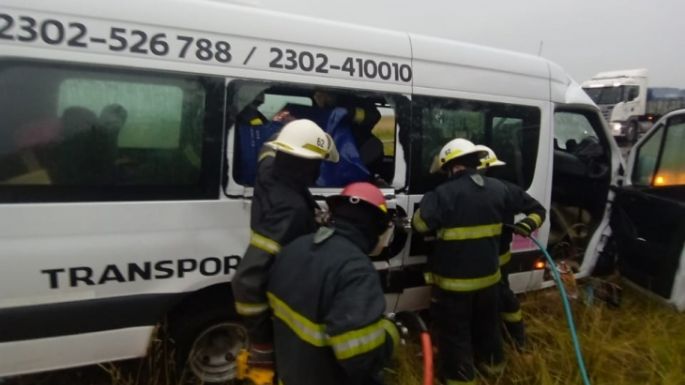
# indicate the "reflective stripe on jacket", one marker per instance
pixel 467 213
pixel 521 202
pixel 327 302
pixel 280 212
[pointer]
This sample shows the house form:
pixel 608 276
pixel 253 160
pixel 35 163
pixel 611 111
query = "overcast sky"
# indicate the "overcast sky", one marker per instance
pixel 583 36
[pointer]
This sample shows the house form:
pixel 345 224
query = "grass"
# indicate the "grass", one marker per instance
pixel 640 343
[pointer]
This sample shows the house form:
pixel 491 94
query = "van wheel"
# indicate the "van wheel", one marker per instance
pixel 207 344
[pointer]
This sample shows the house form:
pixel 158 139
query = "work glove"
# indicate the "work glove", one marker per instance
pixel 524 227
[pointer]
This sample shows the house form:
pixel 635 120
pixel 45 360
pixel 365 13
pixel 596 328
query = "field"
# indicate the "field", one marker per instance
pixel 641 342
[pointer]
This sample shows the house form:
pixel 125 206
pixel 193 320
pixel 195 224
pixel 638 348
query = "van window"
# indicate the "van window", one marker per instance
pixel 89 133
pixel 363 125
pixel 571 129
pixel 512 131
pixel 141 124
pixel 646 158
pixel 671 170
pixel 662 166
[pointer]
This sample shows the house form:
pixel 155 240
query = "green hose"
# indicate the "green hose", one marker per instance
pixel 567 311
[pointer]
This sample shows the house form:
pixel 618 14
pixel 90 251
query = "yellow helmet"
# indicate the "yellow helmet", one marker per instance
pixel 455 148
pixel 305 139
pixel 489 160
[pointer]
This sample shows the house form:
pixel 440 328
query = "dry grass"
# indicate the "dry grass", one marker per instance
pixel 642 342
pixel 158 368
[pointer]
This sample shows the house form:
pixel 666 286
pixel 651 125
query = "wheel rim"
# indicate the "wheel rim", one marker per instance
pixel 213 355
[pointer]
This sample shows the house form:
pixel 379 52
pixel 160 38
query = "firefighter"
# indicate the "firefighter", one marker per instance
pixel 510 309
pixel 282 209
pixel 327 299
pixel 466 212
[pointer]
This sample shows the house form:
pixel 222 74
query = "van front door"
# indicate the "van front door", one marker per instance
pixel 648 218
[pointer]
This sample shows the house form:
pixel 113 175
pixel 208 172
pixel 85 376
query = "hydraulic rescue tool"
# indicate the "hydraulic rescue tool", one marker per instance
pixel 408 324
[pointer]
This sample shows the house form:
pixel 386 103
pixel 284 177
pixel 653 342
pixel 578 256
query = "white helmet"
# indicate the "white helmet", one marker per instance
pixel 455 148
pixel 305 139
pixel 489 160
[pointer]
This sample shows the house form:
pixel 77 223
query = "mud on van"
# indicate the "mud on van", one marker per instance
pixel 127 155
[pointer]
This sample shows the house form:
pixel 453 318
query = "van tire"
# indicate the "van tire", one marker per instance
pixel 207 340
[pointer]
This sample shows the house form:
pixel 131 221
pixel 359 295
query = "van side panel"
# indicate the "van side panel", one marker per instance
pixel 215 38
pixel 85 260
pixel 478 70
pixel 48 353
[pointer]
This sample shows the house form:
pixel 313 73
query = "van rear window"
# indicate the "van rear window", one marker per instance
pixel 144 124
pixel 91 133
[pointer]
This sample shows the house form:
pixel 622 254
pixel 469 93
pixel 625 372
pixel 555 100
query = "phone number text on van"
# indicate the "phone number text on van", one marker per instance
pixel 28 29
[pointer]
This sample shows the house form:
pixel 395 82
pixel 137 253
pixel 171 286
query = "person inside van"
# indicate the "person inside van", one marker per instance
pixel 336 122
pixel 112 119
pixel 363 116
pixel 254 129
pixel 77 157
pixel 114 165
pixel 250 114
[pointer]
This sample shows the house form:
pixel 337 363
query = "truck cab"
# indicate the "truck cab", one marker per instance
pixel 622 99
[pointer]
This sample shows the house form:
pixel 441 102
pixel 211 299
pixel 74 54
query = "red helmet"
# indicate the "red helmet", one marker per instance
pixel 360 192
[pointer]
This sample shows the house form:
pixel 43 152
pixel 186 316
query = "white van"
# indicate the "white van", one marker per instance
pixel 125 165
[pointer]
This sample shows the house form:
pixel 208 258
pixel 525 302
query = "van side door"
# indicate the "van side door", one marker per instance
pixel 648 218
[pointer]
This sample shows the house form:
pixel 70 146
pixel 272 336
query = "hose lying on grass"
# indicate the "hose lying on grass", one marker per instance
pixel 567 311
pixel 413 320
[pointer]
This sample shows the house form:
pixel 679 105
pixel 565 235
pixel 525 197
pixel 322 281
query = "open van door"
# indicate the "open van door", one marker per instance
pixel 648 219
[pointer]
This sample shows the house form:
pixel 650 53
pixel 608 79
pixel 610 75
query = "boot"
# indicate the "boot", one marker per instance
pixel 261 356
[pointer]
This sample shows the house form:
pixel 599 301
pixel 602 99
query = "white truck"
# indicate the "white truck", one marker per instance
pixel 628 104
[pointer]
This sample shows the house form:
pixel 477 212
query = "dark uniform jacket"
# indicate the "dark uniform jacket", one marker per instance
pixel 281 211
pixel 467 212
pixel 327 302
pixel 521 202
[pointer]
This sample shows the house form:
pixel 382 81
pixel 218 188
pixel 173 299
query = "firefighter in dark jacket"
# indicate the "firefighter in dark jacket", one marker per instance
pixel 466 212
pixel 282 210
pixel 510 309
pixel 327 300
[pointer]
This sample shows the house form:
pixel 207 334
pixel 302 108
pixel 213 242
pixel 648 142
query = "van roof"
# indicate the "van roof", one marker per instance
pixel 437 63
